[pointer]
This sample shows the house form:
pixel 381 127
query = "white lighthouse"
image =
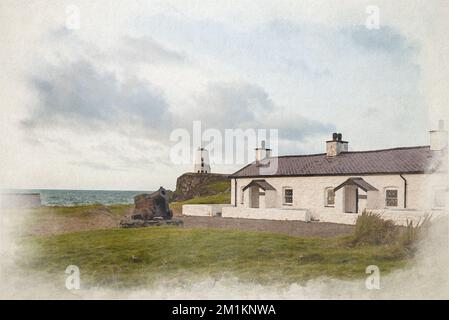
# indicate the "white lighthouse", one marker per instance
pixel 202 161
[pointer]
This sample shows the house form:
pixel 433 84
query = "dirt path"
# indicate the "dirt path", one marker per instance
pixel 292 228
pixel 53 221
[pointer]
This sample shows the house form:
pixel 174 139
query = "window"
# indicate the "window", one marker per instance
pixel 288 196
pixel 439 200
pixel 242 196
pixel 329 197
pixel 391 198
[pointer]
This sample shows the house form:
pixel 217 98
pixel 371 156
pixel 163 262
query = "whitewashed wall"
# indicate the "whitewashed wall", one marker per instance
pixel 266 213
pixel 309 192
pixel 204 210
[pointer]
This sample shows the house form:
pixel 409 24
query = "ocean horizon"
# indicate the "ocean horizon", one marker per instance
pixel 73 197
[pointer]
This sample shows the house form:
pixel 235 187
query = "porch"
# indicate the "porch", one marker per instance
pixel 355 195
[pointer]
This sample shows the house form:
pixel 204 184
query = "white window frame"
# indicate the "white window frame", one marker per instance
pixel 397 197
pixel 326 203
pixel 283 196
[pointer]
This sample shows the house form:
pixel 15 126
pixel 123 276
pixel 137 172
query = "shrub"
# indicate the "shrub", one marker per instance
pixel 371 229
pixel 412 234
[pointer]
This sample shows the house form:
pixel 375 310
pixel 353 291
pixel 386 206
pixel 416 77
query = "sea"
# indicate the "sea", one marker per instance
pixel 81 197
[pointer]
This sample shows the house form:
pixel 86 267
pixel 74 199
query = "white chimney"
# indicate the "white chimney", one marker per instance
pixel 438 138
pixel 262 153
pixel 336 146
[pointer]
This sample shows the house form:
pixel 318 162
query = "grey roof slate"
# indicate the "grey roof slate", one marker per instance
pixel 387 161
pixel 261 184
pixel 359 182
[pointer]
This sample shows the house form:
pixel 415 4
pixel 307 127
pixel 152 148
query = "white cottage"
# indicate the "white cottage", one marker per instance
pixel 400 183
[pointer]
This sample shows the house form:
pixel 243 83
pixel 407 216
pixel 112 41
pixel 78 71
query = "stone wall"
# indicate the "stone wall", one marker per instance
pixel 266 213
pixel 203 210
pixel 20 200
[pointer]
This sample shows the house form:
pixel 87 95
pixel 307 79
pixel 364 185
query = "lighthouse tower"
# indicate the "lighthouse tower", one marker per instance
pixel 202 161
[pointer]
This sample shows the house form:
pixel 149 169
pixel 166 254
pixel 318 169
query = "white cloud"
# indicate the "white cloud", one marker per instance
pixel 132 73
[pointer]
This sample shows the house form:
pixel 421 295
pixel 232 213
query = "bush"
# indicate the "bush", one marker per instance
pixel 371 229
pixel 411 235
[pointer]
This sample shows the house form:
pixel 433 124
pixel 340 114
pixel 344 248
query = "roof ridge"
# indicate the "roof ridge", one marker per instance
pixel 388 149
pixel 357 151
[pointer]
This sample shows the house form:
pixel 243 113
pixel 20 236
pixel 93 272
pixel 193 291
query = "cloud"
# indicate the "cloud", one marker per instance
pixel 385 39
pixel 230 104
pixel 147 50
pixel 247 105
pixel 79 95
pixel 94 165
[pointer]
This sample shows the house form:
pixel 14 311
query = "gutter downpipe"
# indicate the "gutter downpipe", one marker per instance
pixel 405 191
pixel 235 192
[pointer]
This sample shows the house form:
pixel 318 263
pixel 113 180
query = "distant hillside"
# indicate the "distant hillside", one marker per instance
pixel 193 185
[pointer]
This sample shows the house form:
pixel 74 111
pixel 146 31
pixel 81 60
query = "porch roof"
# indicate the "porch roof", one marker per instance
pixel 263 184
pixel 359 182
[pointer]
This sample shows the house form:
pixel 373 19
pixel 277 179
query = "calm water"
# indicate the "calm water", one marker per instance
pixel 82 197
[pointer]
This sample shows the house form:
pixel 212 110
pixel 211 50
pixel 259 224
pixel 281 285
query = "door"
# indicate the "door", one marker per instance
pixel 351 199
pixel 254 197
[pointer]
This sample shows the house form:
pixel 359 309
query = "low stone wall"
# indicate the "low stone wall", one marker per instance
pixel 399 217
pixel 266 213
pixel 343 218
pixel 402 217
pixel 203 210
pixel 20 200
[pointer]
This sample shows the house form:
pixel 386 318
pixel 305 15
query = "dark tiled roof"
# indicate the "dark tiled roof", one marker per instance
pixel 261 184
pixel 388 161
pixel 359 182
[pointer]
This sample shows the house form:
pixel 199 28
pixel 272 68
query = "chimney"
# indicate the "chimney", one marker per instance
pixel 439 137
pixel 262 153
pixel 335 146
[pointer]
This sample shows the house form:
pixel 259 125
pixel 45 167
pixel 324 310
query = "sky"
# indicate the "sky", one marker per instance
pixel 91 103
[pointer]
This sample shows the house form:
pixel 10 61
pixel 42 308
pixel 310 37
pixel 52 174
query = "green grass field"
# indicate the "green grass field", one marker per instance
pixel 139 257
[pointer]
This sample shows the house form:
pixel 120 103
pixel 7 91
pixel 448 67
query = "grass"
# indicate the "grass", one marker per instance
pixel 220 186
pixel 77 211
pixel 139 257
pixel 58 219
pixel 224 197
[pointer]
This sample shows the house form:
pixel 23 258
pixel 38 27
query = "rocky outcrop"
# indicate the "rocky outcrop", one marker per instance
pixel 191 185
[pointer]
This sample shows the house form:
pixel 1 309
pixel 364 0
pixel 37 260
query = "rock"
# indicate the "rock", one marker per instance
pixel 132 223
pixel 137 216
pixel 149 223
pixel 174 222
pixel 190 185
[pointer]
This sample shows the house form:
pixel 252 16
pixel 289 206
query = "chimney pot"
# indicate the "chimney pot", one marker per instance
pixel 336 145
